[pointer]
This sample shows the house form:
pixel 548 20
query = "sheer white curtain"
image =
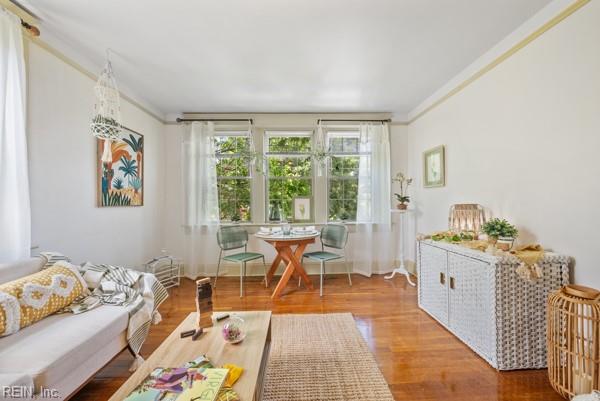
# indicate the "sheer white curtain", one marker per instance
pixel 372 241
pixel 15 213
pixel 201 198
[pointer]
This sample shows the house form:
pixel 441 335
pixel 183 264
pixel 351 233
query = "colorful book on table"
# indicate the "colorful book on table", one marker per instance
pixel 197 381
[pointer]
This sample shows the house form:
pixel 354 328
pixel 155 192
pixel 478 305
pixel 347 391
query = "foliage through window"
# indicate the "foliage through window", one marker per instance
pixel 289 170
pixel 233 177
pixel 343 175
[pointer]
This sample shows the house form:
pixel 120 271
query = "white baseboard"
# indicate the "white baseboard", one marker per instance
pixel 312 268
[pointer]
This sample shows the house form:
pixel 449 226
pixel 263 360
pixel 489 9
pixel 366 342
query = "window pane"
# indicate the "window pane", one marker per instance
pixel 336 145
pixel 289 144
pixel 351 189
pixel 234 199
pixel 289 176
pixel 234 191
pixel 290 167
pixel 336 189
pixel 232 167
pixel 231 144
pixel 350 145
pixel 345 166
pixel 351 165
pixel 283 191
pixel 343 176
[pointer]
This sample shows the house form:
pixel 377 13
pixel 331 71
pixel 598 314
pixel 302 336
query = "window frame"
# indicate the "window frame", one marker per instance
pixel 249 177
pixel 309 133
pixel 341 133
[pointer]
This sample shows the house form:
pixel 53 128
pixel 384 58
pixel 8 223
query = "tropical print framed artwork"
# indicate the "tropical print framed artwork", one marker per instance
pixel 121 170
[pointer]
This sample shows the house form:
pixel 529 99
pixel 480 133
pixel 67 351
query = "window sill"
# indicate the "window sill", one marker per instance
pixel 251 224
pixel 307 223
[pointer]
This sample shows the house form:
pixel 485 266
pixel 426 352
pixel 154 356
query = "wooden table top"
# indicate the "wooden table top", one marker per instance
pixel 175 351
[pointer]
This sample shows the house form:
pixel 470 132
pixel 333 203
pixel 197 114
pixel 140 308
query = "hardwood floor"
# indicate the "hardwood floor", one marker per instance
pixel 419 359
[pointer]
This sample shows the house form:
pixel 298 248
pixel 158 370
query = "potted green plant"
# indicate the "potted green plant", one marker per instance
pixel 500 233
pixel 402 196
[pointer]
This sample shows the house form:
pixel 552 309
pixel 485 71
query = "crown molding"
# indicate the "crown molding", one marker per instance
pixel 20 11
pixel 536 26
pixel 49 46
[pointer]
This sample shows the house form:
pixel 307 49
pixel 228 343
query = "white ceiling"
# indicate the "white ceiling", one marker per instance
pixel 281 55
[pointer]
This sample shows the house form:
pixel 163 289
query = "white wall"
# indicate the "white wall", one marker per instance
pixel 524 141
pixel 62 162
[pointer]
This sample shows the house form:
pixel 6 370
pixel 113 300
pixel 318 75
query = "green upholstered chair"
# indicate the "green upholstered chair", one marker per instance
pixel 236 237
pixel 332 236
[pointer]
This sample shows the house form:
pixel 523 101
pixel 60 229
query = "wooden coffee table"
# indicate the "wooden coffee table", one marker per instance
pixel 251 354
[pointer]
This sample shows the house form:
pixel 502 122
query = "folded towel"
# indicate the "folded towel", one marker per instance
pixel 529 255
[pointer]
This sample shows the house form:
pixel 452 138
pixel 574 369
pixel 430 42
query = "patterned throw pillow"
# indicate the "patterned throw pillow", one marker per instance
pixel 31 298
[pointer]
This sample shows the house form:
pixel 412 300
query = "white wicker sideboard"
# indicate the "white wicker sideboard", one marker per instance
pixel 481 300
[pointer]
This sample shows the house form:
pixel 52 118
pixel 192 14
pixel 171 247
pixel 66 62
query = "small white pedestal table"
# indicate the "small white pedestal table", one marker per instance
pixel 401 269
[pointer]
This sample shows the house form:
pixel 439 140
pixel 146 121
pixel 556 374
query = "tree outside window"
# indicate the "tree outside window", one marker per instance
pixel 233 177
pixel 289 169
pixel 343 175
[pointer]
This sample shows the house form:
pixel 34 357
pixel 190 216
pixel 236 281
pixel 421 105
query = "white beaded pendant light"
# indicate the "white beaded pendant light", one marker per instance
pixel 106 123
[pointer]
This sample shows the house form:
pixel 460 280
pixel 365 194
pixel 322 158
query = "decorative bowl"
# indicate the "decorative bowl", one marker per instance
pixel 234 330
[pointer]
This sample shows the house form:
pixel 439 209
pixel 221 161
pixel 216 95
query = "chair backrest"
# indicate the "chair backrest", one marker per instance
pixel 334 236
pixel 232 237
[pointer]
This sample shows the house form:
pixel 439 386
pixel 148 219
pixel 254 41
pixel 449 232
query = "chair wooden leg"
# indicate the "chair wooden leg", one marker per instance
pixel 218 266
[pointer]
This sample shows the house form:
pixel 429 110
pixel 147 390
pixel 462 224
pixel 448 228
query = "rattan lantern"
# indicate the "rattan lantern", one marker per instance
pixel 574 340
pixel 106 123
pixel 466 217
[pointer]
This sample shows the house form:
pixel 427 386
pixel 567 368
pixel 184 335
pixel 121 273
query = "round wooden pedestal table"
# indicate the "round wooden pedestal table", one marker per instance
pixel 293 257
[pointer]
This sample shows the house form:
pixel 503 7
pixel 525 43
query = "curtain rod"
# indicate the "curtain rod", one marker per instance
pixel 33 30
pixel 130 130
pixel 184 120
pixel 389 120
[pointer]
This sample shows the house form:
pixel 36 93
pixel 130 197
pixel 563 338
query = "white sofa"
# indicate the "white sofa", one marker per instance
pixel 61 352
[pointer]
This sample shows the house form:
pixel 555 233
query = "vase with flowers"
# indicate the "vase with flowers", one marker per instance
pixel 402 196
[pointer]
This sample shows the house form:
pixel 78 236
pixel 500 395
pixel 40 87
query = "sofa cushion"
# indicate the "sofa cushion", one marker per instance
pixel 52 348
pixel 15 270
pixel 29 299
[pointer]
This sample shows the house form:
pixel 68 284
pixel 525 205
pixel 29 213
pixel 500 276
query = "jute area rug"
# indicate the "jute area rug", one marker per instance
pixel 321 357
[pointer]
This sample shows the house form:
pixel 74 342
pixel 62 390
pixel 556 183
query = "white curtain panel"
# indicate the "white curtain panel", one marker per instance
pixel 15 213
pixel 201 198
pixel 372 243
pixel 200 175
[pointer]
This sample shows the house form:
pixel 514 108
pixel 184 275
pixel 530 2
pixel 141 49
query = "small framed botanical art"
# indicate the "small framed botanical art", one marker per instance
pixel 434 167
pixel 302 207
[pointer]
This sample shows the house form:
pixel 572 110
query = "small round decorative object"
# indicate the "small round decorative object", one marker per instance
pixel 234 330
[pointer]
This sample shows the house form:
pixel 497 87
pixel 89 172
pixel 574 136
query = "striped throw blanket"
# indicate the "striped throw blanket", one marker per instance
pixel 140 293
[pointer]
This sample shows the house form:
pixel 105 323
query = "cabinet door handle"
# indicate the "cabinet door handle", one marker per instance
pixel 442 278
pixel 452 283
